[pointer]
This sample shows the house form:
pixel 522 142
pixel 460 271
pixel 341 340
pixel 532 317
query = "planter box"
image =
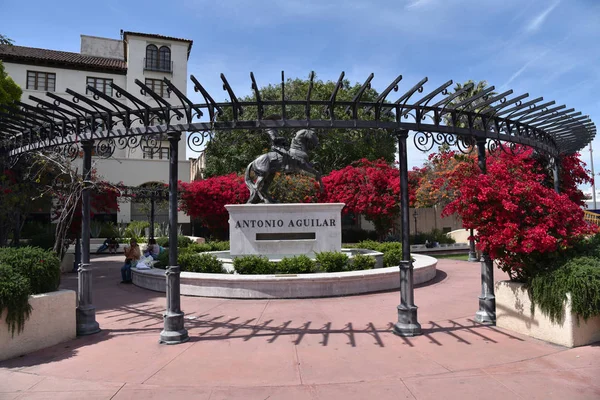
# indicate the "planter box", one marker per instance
pixel 513 312
pixel 52 321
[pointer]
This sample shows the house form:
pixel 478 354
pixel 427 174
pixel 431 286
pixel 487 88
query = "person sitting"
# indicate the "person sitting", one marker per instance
pixel 132 255
pixel 113 245
pixel 152 249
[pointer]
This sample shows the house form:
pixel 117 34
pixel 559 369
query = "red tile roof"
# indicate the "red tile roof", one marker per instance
pixel 31 55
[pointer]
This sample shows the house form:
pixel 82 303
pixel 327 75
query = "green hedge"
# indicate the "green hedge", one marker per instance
pixel 25 271
pixel 253 265
pixel 14 298
pixel 40 266
pixel 182 241
pixel 332 261
pixel 580 277
pixel 361 262
pixel 295 265
pixel 207 263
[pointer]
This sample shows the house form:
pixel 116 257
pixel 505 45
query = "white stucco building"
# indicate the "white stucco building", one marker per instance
pixel 146 57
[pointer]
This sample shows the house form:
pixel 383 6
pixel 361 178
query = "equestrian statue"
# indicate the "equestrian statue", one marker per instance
pixel 280 159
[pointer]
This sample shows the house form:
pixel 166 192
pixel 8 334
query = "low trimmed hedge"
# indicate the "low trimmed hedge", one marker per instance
pixel 194 262
pixel 332 261
pixel 253 265
pixel 361 262
pixel 296 265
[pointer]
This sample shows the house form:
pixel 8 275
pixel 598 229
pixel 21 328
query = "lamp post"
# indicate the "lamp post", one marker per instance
pixel 415 215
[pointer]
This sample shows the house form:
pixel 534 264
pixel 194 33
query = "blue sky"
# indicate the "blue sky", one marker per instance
pixel 546 48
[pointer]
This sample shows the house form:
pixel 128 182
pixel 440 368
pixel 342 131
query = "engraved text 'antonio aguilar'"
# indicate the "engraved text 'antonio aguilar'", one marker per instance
pixel 280 223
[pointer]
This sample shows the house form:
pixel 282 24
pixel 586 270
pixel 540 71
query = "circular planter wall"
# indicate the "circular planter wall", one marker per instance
pixel 287 286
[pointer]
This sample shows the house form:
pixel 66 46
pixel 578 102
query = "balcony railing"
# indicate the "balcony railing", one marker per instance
pixel 159 66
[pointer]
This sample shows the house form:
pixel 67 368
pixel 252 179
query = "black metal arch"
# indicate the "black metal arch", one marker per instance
pixel 59 121
pixel 101 123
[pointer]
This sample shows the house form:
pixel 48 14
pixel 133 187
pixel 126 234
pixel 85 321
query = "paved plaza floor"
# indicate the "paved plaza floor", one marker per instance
pixel 334 348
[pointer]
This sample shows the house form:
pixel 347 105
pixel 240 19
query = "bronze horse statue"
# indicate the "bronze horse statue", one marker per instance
pixel 280 159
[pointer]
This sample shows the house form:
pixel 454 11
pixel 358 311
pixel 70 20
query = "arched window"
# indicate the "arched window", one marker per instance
pixel 152 57
pixel 164 58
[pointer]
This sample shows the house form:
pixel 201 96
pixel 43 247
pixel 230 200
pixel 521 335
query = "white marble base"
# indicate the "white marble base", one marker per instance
pixel 287 286
pixel 284 229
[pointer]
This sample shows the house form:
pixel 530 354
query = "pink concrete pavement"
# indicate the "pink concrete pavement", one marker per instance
pixel 300 349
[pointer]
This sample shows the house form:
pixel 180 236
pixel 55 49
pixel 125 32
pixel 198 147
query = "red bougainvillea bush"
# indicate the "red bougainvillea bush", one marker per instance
pixel 206 199
pixel 518 218
pixel 369 188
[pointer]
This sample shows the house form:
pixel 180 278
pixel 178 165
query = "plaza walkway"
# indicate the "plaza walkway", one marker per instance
pixel 335 348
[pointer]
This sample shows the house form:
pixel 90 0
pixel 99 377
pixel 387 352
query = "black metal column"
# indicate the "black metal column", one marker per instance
pixel 173 331
pixel 152 201
pixel 407 324
pixel 487 300
pixel 556 174
pixel 86 312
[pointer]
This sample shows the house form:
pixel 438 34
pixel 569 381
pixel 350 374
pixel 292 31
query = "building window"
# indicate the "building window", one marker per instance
pixel 159 87
pixel 100 84
pixel 164 58
pixel 158 59
pixel 41 81
pixel 151 153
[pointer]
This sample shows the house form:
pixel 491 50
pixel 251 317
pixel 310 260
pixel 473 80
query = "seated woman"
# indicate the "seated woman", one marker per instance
pixel 152 249
pixel 132 255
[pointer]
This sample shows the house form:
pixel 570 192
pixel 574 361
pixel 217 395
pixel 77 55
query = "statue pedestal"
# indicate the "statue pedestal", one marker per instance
pixel 284 229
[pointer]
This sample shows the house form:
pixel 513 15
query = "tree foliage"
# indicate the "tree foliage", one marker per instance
pixel 232 151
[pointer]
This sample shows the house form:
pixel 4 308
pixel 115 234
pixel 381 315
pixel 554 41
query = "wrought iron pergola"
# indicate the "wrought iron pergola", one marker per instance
pixel 100 124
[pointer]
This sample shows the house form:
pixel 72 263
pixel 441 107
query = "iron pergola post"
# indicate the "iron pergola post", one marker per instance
pixel 556 171
pixel 487 300
pixel 152 201
pixel 86 312
pixel 407 324
pixel 173 332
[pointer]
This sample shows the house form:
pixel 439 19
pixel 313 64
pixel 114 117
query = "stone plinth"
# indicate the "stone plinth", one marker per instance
pixel 284 229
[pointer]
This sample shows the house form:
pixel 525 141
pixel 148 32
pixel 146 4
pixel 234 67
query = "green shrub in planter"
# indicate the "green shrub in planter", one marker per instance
pixel 580 276
pixel 41 267
pixel 199 247
pixel 253 265
pixel 207 263
pixel 162 241
pixel 332 261
pixel 183 241
pixel 392 258
pixel 361 262
pixel 295 265
pixel 219 245
pixel 14 298
pixel 136 229
pixel 162 259
pixel 368 244
pixel 389 246
pixel 43 240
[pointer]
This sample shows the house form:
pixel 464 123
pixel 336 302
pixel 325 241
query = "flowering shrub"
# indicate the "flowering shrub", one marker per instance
pixel 518 218
pixel 370 188
pixel 206 199
pixel 294 188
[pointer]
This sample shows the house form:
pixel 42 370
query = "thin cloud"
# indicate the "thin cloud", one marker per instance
pixel 537 21
pixel 418 3
pixel 524 68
